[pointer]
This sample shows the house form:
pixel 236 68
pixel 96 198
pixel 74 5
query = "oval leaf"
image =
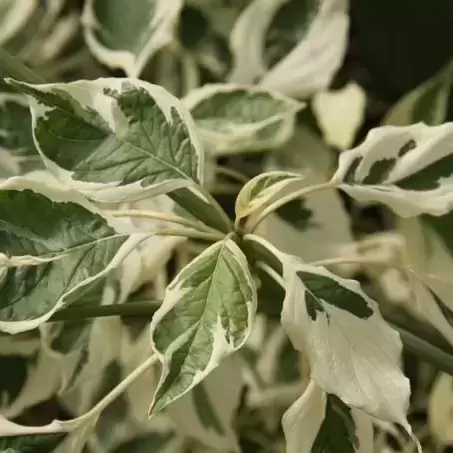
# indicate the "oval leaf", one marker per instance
pixel 353 353
pixel 409 169
pixel 234 118
pixel 206 315
pixel 115 139
pixel 126 34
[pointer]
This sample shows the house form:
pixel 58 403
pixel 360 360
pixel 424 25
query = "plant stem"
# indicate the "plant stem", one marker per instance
pixel 142 309
pixel 233 174
pixel 187 233
pixel 217 207
pixel 110 397
pixel 16 69
pixel 286 199
pixel 163 216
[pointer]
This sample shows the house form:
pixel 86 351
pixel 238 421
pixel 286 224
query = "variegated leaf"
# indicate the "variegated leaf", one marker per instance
pixel 290 47
pixel 407 168
pixel 262 189
pixel 206 315
pixel 71 243
pixel 115 139
pixel 353 352
pixel 234 118
pixel 126 35
pixel 320 422
pixel 427 103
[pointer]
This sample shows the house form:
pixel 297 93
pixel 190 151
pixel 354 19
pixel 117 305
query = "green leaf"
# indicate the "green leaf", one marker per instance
pixel 296 48
pixel 54 243
pixel 407 168
pixel 262 189
pixel 13 16
pixel 353 352
pixel 428 103
pixel 115 139
pixel 126 35
pixel 233 118
pixel 322 423
pixel 38 443
pixel 206 315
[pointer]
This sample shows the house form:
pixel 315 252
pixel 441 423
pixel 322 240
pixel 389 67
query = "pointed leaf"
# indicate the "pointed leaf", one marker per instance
pixel 126 35
pixel 353 353
pixel 295 49
pixel 233 118
pixel 78 245
pixel 407 168
pixel 317 422
pixel 115 139
pixel 206 315
pixel 262 189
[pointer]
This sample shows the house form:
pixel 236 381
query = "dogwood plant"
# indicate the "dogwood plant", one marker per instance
pixel 158 319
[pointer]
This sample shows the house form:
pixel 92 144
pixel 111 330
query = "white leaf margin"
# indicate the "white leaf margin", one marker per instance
pixel 174 295
pixel 165 17
pixel 433 143
pixel 89 93
pixel 246 205
pixel 243 136
pixel 309 67
pixel 57 194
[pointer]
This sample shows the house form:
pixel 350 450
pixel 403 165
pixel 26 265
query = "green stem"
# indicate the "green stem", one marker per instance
pixel 283 200
pixel 234 174
pixel 141 309
pixel 16 69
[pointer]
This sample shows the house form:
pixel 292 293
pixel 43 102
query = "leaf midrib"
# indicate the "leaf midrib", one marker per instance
pixel 111 134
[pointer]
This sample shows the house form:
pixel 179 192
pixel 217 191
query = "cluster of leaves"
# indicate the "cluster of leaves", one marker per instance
pixel 176 253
